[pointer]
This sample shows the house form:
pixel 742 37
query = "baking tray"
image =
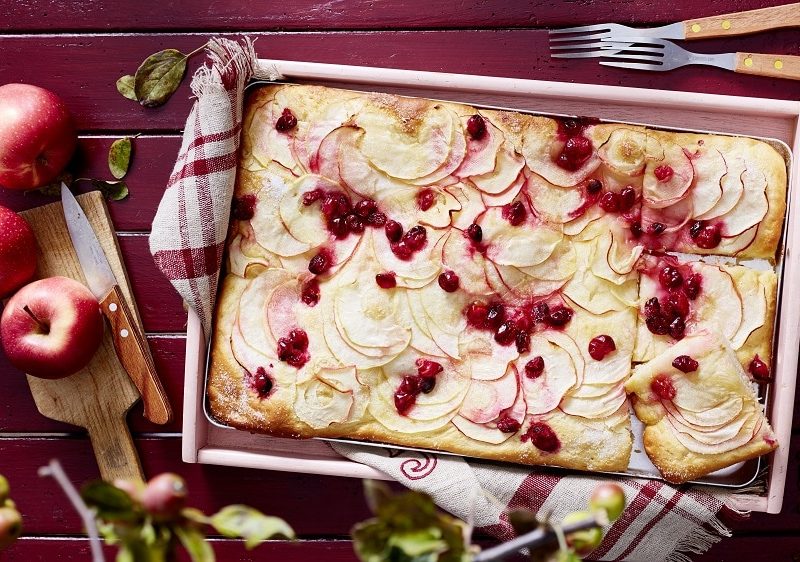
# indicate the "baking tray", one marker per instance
pixel 770 119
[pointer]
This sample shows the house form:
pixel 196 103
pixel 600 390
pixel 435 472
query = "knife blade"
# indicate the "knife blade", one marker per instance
pixel 129 341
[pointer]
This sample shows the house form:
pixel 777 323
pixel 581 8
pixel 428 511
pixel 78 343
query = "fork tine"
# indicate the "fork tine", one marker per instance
pixel 589 45
pixel 604 34
pixel 580 28
pixel 581 55
pixel 633 65
pixel 619 55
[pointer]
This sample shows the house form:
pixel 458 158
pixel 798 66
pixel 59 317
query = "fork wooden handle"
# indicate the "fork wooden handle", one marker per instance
pixel 741 23
pixel 776 66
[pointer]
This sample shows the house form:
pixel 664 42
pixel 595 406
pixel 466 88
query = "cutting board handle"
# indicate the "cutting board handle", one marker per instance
pixel 113 446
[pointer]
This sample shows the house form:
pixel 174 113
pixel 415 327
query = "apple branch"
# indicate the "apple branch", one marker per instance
pixel 42 326
pixel 56 471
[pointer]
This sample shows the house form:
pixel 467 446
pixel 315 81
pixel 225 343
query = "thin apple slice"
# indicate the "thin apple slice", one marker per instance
pixel 480 432
pixel 280 314
pixel 586 290
pixel 518 246
pixel 472 205
pixel 264 141
pixel 340 348
pixel 355 170
pixel 416 272
pixel 268 228
pixel 615 367
pixel 754 308
pixel 597 407
pixel 487 359
pixel 450 382
pixel 719 302
pixel 421 339
pixel 541 145
pixel 626 150
pixel 732 189
pixel 367 314
pixel 744 435
pixel 560 266
pixel 459 255
pixel 458 151
pixel 736 244
pixel 446 341
pixel 506 279
pixel 405 208
pixel 418 131
pixel 709 169
pixel 305 222
pixel 253 310
pixel 601 264
pixel 507 196
pixel 307 141
pixel 329 152
pixel 443 308
pixel 594 215
pixel 481 153
pixel 714 417
pixel 657 193
pixel 751 208
pixel 486 399
pixel 674 217
pixel 722 434
pixel 693 397
pixel 507 168
pixel 553 203
pixel 544 393
pixel 319 404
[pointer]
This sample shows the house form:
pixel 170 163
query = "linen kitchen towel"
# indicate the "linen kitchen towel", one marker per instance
pixel 661 522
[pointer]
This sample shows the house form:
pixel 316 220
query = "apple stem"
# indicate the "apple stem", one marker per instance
pixel 42 326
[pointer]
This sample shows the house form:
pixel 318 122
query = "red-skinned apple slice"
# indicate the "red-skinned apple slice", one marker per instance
pixel 713 418
pixel 507 279
pixel 265 142
pixel 674 217
pixel 744 435
pixel 544 393
pixel 480 432
pixel 486 399
pixel 507 168
pixel 416 151
pixel 305 222
pixel 504 197
pixel 458 151
pixel 319 404
pixel 450 381
pixel 615 367
pixel 417 272
pixel 405 207
pixel 472 205
pixel 594 408
pixel 421 339
pixel 626 150
pixel 657 193
pixel 253 311
pixel 328 153
pixel 709 169
pixel 366 312
pixel 736 244
pixel 722 434
pixel 719 301
pixel 487 359
pixel 732 190
pixel 560 266
pixel 307 140
pixel 598 296
pixel 519 246
pixel 586 221
pixel 605 251
pixel 751 208
pixel 445 341
pixel 754 312
pixel 459 255
pixel 482 153
pixel 553 203
pixel 268 228
pixel 355 170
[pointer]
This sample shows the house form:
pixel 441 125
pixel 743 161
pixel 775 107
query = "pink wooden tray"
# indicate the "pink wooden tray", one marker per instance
pixel 204 442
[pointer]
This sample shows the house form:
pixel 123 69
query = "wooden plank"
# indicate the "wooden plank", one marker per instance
pixel 19 415
pixel 96 15
pixel 69 549
pixel 513 53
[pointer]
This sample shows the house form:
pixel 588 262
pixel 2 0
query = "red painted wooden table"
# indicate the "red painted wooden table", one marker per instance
pixel 79 49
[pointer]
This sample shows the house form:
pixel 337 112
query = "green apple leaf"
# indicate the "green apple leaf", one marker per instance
pixel 195 515
pixel 195 544
pixel 236 521
pixel 108 501
pixel 112 190
pixel 119 157
pixel 125 86
pixel 159 76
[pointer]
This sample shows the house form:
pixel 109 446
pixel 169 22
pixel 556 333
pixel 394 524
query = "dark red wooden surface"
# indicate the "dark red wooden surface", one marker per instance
pixel 78 49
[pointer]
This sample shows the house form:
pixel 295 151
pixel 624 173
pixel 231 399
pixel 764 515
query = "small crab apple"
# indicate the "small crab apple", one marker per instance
pixel 134 488
pixel 10 526
pixel 583 542
pixel 165 496
pixel 609 497
pixel 4 489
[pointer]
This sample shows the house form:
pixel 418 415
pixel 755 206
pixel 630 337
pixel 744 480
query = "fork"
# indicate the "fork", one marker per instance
pixel 736 23
pixel 648 53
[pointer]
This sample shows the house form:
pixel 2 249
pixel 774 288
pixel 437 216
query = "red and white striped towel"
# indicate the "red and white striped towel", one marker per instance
pixel 187 240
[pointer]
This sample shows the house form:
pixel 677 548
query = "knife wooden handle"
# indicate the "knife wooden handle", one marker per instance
pixel 741 23
pixel 775 66
pixel 134 354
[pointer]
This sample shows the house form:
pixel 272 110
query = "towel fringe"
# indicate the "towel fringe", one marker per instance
pixel 699 541
pixel 230 66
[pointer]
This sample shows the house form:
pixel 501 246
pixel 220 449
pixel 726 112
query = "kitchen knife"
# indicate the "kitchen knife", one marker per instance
pixel 129 341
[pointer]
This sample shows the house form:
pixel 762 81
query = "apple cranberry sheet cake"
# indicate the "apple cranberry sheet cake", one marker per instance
pixel 483 282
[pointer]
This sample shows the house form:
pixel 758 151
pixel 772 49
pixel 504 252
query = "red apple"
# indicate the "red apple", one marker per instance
pixel 10 526
pixel 165 496
pixel 17 252
pixel 37 136
pixel 51 328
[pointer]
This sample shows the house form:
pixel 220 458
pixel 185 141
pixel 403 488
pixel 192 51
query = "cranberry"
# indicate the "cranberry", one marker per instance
pixel 677 328
pixel 416 237
pixel 244 207
pixel 338 227
pixel 287 121
pixel 670 277
pixel 310 294
pixel 652 307
pixel 293 349
pixel 523 321
pixel 515 213
pixel 759 369
pixel 571 127
pixel 354 223
pixel 523 341
pixel 406 394
pixel 559 316
pixel 695 229
pixel 541 312
pixel 627 199
pixel 386 280
pixel 505 334
pixel 577 149
pixel 425 199
pixel 685 364
pixel 427 368
pixel 709 237
pixel 677 304
pixel 657 325
pixel 426 385
pixel 507 424
pixel 663 388
pixel 335 205
pixel 401 250
pixel 609 202
pixel 475 232
pixel 664 173
pixel 601 346
pixel 636 230
pixel 299 339
pixel 394 231
pixel 476 127
pixel 657 228
pixel 376 219
pixel 448 281
pixel 365 208
pixel 477 314
pixel 534 368
pixel 262 383
pixel 542 437
pixel 594 186
pixel 495 316
pixel 693 285
pixel 310 197
pixel 320 263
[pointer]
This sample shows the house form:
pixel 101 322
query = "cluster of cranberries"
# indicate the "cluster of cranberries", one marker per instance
pixel 542 437
pixel 404 246
pixel 341 216
pixel 413 385
pixel 493 317
pixel 261 382
pixel 293 349
pixel 668 315
pixel 618 202
pixel 577 148
pixel 706 236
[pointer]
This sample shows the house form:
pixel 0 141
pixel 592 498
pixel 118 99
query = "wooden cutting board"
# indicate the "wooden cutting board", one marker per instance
pixel 98 397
